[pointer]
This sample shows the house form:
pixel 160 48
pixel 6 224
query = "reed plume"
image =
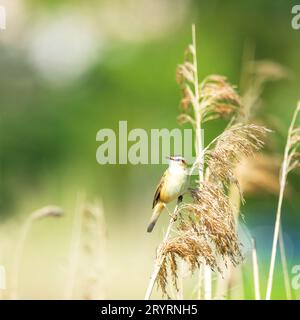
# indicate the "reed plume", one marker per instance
pixel 259 175
pixel 206 231
pixel 44 212
pixel 254 175
pixel 238 142
pixel 87 252
pixel 92 253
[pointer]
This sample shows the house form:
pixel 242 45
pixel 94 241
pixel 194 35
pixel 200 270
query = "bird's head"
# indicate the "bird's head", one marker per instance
pixel 177 161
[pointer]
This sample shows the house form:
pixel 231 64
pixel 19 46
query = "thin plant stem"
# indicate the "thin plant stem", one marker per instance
pixel 18 258
pixel 159 260
pixel 286 277
pixel 180 293
pixel 199 146
pixel 200 282
pixel 225 281
pixel 248 55
pixel 255 271
pixel 283 177
pixel 74 251
pixel 207 276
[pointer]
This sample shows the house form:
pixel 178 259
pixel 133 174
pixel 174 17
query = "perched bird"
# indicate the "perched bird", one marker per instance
pixel 170 187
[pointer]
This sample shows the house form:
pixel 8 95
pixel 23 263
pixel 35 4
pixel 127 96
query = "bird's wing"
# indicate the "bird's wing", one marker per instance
pixel 158 189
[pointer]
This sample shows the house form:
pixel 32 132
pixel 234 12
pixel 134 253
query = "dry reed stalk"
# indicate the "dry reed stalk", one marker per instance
pixel 74 248
pixel 179 291
pixel 48 211
pixel 159 259
pixel 226 280
pixel 207 276
pixel 286 278
pixel 255 271
pixel 290 162
pixel 5 250
pixel 92 253
pixel 87 252
pixel 207 286
pixel 199 287
pixel 230 284
pixel 259 74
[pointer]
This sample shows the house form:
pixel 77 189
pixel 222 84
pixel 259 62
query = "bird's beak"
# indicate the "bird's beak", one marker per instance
pixel 169 157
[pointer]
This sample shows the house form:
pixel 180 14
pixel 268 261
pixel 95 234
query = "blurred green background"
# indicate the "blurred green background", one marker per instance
pixel 70 68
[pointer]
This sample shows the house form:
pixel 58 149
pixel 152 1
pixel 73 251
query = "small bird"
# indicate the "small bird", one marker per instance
pixel 170 187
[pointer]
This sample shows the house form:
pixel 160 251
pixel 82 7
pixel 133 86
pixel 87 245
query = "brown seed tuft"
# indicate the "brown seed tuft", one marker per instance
pixel 231 146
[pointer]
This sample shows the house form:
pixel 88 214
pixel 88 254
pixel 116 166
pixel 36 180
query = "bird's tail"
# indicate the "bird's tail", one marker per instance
pixel 155 215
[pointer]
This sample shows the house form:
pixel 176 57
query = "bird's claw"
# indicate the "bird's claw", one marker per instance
pixel 173 216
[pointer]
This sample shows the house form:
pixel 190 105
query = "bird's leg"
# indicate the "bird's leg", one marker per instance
pixel 175 215
pixel 179 200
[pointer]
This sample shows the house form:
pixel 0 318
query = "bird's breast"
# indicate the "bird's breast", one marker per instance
pixel 173 185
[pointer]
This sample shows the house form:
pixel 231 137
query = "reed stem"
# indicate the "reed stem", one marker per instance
pixel 74 250
pixel 159 259
pixel 286 277
pixel 18 258
pixel 255 271
pixel 283 177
